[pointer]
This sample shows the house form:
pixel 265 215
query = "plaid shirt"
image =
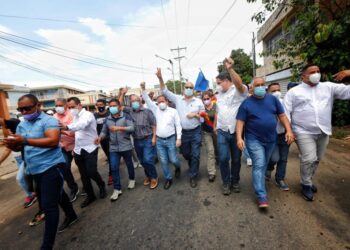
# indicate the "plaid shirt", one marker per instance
pixel 144 121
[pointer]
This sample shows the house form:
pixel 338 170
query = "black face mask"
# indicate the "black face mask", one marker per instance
pixel 101 109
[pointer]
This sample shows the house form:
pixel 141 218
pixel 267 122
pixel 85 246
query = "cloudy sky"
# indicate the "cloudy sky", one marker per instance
pixel 112 43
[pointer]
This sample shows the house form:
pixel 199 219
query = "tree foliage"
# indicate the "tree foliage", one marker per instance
pixel 243 65
pixel 170 86
pixel 318 33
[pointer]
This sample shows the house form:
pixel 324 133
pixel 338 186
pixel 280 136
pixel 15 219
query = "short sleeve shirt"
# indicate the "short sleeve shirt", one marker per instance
pixel 260 117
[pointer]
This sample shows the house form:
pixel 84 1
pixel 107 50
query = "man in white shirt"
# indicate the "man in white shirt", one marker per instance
pixel 168 134
pixel 309 107
pixel 188 108
pixel 280 153
pixel 232 92
pixel 85 150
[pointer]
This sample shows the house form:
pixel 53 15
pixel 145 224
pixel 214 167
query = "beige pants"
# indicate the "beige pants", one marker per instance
pixel 209 143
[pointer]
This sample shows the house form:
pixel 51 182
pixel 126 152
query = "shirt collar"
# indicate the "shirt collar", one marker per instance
pixel 82 111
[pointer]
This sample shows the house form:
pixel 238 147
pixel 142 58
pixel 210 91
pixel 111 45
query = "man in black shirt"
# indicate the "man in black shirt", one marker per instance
pixel 100 115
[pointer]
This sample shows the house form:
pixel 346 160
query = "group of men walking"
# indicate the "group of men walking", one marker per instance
pixel 237 118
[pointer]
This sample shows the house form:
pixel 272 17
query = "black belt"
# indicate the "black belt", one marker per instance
pixel 166 138
pixel 190 130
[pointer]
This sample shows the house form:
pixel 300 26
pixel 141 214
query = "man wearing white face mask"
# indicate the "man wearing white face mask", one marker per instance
pixel 189 109
pixel 67 141
pixel 309 107
pixel 280 153
pixel 168 134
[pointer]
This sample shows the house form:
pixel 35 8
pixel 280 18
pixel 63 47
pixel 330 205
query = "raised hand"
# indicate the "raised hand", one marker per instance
pixel 341 75
pixel 229 62
pixel 159 73
pixel 143 85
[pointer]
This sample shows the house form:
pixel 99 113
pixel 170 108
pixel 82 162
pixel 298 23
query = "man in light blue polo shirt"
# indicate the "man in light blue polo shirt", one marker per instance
pixel 189 108
pixel 38 137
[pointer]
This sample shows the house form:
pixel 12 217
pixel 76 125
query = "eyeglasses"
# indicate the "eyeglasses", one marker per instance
pixel 206 99
pixel 188 87
pixel 27 108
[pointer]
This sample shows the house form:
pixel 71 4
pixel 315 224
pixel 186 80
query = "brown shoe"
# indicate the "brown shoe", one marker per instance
pixel 146 181
pixel 154 183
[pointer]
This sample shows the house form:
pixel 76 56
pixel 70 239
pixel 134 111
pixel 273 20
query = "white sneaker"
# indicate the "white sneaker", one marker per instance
pixel 249 162
pixel 115 194
pixel 131 184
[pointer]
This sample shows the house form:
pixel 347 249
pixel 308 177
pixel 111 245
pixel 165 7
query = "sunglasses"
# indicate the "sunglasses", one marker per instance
pixel 206 99
pixel 27 108
pixel 188 87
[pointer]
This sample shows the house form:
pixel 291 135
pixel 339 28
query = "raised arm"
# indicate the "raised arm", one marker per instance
pixel 150 104
pixel 122 93
pixel 236 79
pixel 168 94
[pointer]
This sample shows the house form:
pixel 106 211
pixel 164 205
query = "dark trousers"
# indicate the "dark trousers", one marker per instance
pixel 105 148
pixel 67 172
pixel 227 147
pixel 146 153
pixel 191 142
pixel 49 186
pixel 87 165
pixel 279 156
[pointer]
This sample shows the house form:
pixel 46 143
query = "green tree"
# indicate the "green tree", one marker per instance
pixel 170 86
pixel 243 65
pixel 317 33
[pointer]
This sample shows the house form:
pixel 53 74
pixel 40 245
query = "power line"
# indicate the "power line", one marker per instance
pixel 212 31
pixel 69 57
pixel 71 51
pixel 73 21
pixel 47 73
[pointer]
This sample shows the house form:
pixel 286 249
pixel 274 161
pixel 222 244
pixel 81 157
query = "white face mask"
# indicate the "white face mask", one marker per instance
pixel 278 94
pixel 59 110
pixel 219 88
pixel 74 112
pixel 162 106
pixel 315 78
pixel 207 102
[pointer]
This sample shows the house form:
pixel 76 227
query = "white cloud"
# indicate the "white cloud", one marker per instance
pixel 137 46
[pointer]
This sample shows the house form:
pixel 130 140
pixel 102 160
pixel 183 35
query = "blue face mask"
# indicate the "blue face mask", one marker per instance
pixel 31 117
pixel 188 92
pixel 135 105
pixel 260 91
pixel 114 110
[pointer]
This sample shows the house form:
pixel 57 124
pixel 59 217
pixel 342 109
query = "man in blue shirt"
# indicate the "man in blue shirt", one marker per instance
pixel 258 116
pixel 38 137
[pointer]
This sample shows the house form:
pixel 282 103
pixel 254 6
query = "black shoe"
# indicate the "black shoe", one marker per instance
pixel 236 188
pixel 168 184
pixel 307 193
pixel 177 172
pixel 87 201
pixel 314 188
pixel 73 195
pixel 226 189
pixel 211 178
pixel 103 192
pixel 193 182
pixel 67 222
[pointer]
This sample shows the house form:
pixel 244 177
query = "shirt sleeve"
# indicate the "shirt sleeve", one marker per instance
pixel 201 109
pixel 129 125
pixel 152 119
pixel 170 95
pixel 242 112
pixel 82 123
pixel 104 131
pixel 178 125
pixel 151 105
pixel 51 123
pixel 288 103
pixel 341 91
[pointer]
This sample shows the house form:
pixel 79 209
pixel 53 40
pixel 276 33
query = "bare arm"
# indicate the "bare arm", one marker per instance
pixel 236 79
pixel 122 95
pixel 239 134
pixel 286 124
pixel 4 155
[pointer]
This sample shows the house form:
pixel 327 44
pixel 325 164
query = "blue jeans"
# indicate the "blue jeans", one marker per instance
pixel 115 164
pixel 20 176
pixel 227 147
pixel 279 156
pixel 49 186
pixel 260 153
pixel 146 153
pixel 167 152
pixel 191 142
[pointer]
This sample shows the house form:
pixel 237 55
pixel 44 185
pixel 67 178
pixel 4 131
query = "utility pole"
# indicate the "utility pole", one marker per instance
pixel 254 58
pixel 178 58
pixel 172 69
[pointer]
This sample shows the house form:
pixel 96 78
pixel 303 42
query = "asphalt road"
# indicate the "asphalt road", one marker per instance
pixel 200 218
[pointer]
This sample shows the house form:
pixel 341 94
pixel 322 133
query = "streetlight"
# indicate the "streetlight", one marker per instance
pixel 172 69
